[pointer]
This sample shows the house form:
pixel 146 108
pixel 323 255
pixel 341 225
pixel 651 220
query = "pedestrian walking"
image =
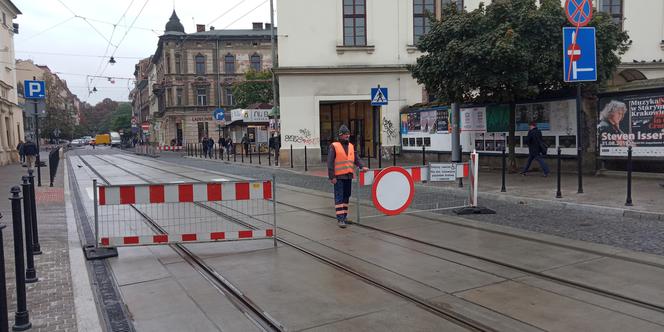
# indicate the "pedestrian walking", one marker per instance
pixel 21 154
pixel 229 146
pixel 245 144
pixel 341 159
pixel 222 144
pixel 30 151
pixel 536 149
pixel 204 146
pixel 210 143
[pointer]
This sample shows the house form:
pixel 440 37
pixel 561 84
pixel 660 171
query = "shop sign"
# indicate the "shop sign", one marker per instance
pixel 250 115
pixel 201 118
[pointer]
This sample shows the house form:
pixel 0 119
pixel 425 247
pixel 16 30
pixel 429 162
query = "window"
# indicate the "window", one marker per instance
pixel 178 97
pixel 355 23
pixel 459 3
pixel 229 64
pixel 255 62
pixel 201 97
pixel 200 64
pixel 178 66
pixel 421 22
pixel 168 64
pixel 229 97
pixel 169 97
pixel 615 9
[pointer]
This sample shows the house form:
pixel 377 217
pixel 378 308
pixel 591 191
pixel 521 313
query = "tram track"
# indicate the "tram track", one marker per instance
pixel 454 317
pixel 558 280
pixel 531 272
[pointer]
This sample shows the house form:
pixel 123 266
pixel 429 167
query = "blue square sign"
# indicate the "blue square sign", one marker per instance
pixel 579 54
pixel 378 96
pixel 34 89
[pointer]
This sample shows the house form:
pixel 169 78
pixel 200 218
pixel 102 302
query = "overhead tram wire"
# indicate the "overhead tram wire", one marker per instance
pixel 112 34
pixel 226 12
pixel 49 28
pixel 247 13
pixel 76 55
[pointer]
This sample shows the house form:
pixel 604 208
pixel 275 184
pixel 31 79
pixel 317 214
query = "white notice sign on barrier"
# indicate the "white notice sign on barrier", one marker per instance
pixel 442 172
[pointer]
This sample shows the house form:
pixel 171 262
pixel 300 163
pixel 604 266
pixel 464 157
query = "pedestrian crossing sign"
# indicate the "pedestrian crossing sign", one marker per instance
pixel 378 96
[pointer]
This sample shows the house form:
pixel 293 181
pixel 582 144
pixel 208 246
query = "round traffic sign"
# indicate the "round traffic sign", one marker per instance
pixel 574 52
pixel 579 12
pixel 392 191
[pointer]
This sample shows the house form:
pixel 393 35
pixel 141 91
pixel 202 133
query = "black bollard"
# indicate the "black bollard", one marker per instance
pixel 460 161
pixel 424 155
pixel 502 188
pixel 380 156
pixel 4 317
pixel 291 156
pixel 38 161
pixel 30 272
pixel 394 155
pixel 369 159
pixel 628 202
pixel 259 155
pixel 221 153
pixel 36 247
pixel 216 151
pixel 269 157
pixel 22 317
pixel 559 193
pixel 250 157
pixel 305 159
pixel 242 157
pixel 234 154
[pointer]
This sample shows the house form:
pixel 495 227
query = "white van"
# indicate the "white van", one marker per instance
pixel 115 139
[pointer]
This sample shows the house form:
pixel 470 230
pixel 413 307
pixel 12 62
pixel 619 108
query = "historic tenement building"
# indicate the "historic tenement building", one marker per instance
pixel 11 115
pixel 193 75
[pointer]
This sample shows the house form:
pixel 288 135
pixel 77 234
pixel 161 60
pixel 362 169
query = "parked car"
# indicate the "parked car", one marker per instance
pixel 78 142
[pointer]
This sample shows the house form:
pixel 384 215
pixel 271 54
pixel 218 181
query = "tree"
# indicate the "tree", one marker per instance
pixel 507 51
pixel 256 88
pixel 121 118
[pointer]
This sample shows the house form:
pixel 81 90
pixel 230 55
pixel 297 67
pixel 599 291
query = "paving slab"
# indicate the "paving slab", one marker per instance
pixel 626 278
pixel 553 312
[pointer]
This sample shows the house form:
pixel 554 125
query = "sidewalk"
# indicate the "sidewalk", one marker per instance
pixel 602 193
pixel 51 299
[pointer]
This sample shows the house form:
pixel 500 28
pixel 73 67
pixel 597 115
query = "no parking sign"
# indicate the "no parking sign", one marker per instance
pixel 392 191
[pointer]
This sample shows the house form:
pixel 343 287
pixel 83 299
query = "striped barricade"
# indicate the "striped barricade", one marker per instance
pixel 173 148
pixel 169 213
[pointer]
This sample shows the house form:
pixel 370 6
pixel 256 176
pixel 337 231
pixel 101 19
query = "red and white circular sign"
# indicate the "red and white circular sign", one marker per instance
pixel 392 191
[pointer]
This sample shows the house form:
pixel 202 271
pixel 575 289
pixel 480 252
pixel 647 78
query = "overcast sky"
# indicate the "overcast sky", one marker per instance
pixel 52 26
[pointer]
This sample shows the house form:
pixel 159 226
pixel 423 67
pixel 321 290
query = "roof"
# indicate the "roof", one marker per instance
pixel 174 23
pixel 13 7
pixel 235 33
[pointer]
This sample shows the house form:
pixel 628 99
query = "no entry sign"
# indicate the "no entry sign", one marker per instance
pixel 392 190
pixel 579 12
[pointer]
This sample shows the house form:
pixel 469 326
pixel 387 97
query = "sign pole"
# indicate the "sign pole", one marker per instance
pixel 37 138
pixel 579 136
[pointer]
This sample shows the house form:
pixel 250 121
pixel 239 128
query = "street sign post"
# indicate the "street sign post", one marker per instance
pixel 35 90
pixel 378 96
pixel 219 114
pixel 580 58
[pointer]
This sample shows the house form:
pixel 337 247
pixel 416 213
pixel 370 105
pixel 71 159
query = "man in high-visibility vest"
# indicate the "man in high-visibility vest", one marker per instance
pixel 341 161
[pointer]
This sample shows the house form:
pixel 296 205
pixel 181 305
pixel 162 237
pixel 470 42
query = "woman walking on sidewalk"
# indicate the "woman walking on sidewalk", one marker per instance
pixel 341 157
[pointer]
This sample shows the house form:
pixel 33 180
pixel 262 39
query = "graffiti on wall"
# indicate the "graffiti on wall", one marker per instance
pixel 304 137
pixel 390 130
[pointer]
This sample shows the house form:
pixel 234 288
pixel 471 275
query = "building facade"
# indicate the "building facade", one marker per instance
pixel 361 44
pixel 194 75
pixel 11 115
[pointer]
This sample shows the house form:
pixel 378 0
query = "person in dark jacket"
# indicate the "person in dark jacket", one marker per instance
pixel 21 154
pixel 245 144
pixel 341 159
pixel 536 148
pixel 210 144
pixel 229 146
pixel 30 151
pixel 204 146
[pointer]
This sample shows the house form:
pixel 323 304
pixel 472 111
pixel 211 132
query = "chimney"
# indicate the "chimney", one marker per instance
pixel 268 26
pixel 257 25
pixel 211 28
pixel 200 27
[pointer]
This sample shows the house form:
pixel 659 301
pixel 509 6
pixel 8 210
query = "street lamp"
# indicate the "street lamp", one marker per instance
pixel 112 61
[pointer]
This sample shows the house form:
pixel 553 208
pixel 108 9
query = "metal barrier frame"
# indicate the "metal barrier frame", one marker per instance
pixel 268 194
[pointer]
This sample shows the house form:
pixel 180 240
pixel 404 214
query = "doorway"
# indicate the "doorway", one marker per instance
pixel 356 115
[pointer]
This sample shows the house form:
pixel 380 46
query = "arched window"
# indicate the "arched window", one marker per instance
pixel 178 68
pixel 200 64
pixel 229 64
pixel 255 62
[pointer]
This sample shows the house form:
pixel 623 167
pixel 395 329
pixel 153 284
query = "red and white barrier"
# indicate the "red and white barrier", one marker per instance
pixel 170 148
pixel 184 192
pixel 417 173
pixel 185 238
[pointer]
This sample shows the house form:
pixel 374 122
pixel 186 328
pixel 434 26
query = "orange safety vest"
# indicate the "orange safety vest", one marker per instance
pixel 343 163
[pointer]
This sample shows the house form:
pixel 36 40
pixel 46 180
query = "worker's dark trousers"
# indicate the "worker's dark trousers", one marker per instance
pixel 341 197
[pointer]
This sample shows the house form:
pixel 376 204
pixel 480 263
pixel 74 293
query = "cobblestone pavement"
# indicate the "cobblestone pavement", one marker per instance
pixel 624 232
pixel 51 299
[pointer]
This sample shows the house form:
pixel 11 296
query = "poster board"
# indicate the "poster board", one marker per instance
pixel 635 120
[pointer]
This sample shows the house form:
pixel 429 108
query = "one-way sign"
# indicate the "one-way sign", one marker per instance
pixel 378 96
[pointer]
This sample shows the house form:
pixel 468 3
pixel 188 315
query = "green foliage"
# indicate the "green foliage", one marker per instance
pixel 121 118
pixel 508 50
pixel 256 88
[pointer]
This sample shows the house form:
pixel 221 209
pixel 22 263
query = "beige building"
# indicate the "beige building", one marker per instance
pixel 11 115
pixel 192 74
